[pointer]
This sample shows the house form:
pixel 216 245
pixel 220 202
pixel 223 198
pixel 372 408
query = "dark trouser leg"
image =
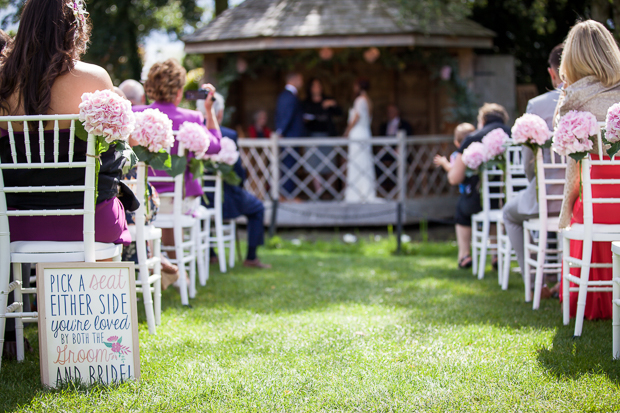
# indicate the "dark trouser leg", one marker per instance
pixel 288 186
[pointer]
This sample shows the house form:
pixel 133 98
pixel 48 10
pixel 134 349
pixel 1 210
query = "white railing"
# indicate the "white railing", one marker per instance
pixel 317 169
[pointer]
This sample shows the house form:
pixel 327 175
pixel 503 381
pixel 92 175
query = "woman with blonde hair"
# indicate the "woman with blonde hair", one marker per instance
pixel 590 70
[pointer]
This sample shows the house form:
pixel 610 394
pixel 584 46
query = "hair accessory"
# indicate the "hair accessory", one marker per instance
pixel 79 11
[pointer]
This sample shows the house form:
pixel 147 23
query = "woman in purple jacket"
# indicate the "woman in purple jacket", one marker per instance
pixel 164 86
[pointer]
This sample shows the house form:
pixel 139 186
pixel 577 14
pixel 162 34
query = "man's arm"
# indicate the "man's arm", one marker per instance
pixel 284 112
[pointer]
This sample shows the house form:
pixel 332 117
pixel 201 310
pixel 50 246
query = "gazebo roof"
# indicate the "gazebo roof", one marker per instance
pixel 301 24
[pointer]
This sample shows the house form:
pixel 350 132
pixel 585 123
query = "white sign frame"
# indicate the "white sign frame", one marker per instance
pixel 130 348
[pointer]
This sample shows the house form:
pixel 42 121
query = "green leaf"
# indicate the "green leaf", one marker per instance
pixel 160 161
pixel 231 178
pixel 120 339
pixel 178 165
pixel 578 155
pixel 108 344
pixel 615 147
pixel 80 132
pixel 196 167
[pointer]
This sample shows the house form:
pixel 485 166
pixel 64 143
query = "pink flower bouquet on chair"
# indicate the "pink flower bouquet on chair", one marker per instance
pixel 224 161
pixel 612 129
pixel 573 135
pixel 153 138
pixel 486 154
pixel 532 131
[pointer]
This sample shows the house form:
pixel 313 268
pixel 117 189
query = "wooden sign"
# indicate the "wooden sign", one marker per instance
pixel 88 323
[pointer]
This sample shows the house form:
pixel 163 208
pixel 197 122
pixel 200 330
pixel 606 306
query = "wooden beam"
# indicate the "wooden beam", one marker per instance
pixel 314 42
pixel 209 63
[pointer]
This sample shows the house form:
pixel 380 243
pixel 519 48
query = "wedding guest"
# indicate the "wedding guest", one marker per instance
pixel 238 201
pixel 394 123
pixel 289 121
pixel 134 91
pixel 164 86
pixel 259 128
pixel 490 116
pixel 319 111
pixel 41 69
pixel 590 69
pixel 460 133
pixel 524 206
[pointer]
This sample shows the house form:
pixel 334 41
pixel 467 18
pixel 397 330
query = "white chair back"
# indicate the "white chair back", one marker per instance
pixel 492 188
pixel 515 178
pixel 23 157
pixel 588 182
pixel 549 174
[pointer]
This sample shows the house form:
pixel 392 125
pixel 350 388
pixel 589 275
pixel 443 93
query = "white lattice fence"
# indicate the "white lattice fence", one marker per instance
pixel 320 169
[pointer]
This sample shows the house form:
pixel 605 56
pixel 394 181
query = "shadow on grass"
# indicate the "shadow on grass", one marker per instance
pixel 590 354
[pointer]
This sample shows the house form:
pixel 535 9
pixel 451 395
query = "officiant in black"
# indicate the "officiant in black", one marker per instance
pixel 319 111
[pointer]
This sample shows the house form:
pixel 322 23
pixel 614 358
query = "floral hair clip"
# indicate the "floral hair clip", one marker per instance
pixel 79 11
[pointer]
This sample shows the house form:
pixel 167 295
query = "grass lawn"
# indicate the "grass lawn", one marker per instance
pixel 349 328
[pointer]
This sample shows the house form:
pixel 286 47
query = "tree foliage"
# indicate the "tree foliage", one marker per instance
pixel 119 26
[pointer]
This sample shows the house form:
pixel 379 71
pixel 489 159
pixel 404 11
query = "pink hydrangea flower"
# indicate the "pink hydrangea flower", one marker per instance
pixel 228 153
pixel 194 138
pixel 494 143
pixel 104 113
pixel 153 130
pixel 612 123
pixel 531 129
pixel 474 155
pixel 573 133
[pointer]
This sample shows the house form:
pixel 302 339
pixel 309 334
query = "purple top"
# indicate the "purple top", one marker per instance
pixel 178 115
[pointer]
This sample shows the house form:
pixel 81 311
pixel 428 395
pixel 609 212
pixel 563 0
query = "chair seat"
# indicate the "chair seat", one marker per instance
pixel 59 251
pixel 151 232
pixel 494 215
pixel 167 221
pixel 553 224
pixel 600 232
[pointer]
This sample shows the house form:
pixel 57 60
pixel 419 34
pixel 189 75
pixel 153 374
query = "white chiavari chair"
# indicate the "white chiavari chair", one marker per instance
pixel 588 232
pixel 515 180
pixel 483 243
pixel 185 229
pixel 48 152
pixel 147 284
pixel 545 259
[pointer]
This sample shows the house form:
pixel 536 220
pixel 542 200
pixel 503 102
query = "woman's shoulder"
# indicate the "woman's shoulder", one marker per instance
pixel 68 88
pixel 190 115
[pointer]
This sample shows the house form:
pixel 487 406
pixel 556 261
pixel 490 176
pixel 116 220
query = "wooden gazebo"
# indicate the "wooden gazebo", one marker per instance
pixel 251 46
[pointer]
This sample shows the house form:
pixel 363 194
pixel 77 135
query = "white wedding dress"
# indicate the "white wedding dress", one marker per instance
pixel 360 166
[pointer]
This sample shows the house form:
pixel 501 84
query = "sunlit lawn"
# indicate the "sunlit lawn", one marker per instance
pixel 337 327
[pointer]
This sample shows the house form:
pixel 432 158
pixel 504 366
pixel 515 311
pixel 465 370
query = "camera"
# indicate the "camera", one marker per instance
pixel 197 94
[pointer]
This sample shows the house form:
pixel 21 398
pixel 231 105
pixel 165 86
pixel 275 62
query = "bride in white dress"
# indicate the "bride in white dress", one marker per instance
pixel 360 166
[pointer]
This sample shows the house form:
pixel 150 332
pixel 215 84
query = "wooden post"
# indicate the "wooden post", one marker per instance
pixel 402 167
pixel 274 164
pixel 209 64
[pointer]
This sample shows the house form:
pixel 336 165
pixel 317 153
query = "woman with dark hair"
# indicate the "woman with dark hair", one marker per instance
pixel 4 40
pixel 360 166
pixel 40 73
pixel 318 112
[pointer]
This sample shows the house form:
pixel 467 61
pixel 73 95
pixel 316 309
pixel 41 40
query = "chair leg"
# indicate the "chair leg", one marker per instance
pixel 505 273
pixel 4 295
pixel 193 260
pixel 200 256
pixel 616 308
pixel 207 246
pixel 565 282
pixel 178 240
pixel 483 248
pixel 500 251
pixel 143 271
pixel 157 284
pixel 540 263
pixel 474 248
pixel 219 239
pixel 231 251
pixel 584 278
pixel 526 270
pixel 19 323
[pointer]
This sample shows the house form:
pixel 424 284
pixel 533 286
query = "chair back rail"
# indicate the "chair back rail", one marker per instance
pixel 30 162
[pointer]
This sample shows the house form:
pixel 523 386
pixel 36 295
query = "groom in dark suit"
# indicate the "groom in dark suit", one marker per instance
pixel 289 120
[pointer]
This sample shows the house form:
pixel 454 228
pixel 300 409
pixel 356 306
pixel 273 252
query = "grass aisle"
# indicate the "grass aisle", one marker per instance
pixel 350 328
